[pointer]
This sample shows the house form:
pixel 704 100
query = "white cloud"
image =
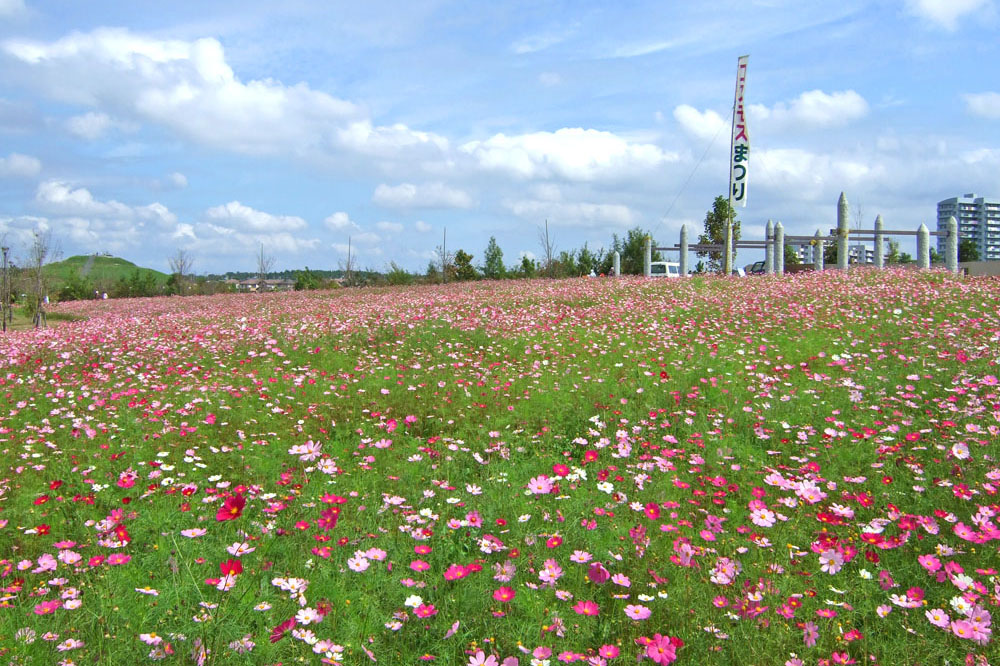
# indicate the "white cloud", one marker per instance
pixel 570 153
pixel 549 79
pixel 21 166
pixel 704 125
pixel 367 237
pixel 340 221
pixel 11 7
pixel 985 104
pixel 90 125
pixel 431 195
pixel 572 214
pixel 539 42
pixel 389 227
pixel 60 198
pixel 944 13
pixel 237 216
pixel 812 109
pixel 189 87
pixel 421 226
pixel 178 180
pixel 804 175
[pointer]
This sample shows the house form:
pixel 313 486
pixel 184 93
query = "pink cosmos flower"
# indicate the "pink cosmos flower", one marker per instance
pixel 47 607
pixel 419 565
pixel 938 618
pixel 116 559
pixel 608 651
pixel 480 659
pixel 637 612
pixel 661 650
pixel 586 608
pixel 504 594
pixel 425 610
pixel 540 485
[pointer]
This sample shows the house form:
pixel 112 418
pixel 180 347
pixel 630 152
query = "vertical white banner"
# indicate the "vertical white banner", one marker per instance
pixel 740 158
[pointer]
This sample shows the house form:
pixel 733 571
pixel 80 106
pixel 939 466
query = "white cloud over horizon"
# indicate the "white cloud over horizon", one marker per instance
pixel 17 165
pixel 430 195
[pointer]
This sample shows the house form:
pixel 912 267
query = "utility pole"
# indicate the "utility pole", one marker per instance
pixel 5 309
pixel 444 256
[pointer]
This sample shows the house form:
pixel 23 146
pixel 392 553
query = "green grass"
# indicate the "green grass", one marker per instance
pixel 694 393
pixel 103 271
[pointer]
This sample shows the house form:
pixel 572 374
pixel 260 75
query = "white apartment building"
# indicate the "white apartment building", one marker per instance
pixel 978 218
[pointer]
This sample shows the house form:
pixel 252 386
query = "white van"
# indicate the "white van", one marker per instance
pixel 664 269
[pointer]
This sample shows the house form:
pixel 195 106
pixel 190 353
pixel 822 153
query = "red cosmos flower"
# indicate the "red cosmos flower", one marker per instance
pixel 234 567
pixel 279 632
pixel 328 518
pixel 41 500
pixel 231 508
pixel 504 594
pixel 43 529
pixel 55 485
pixel 554 542
pixel 652 510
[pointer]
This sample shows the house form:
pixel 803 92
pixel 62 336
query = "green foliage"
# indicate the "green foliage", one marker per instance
pixel 587 261
pixel 137 284
pixel 76 288
pixel 968 250
pixel 715 231
pixel 307 280
pixel 791 258
pixel 493 268
pixel 464 270
pixel 100 270
pixel 397 275
pixel 528 267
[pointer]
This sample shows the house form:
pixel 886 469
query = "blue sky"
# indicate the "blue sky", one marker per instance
pixel 215 127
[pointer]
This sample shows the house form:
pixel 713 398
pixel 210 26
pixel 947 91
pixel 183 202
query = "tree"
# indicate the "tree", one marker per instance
pixel 493 268
pixel 528 267
pixel 445 262
pixel 180 269
pixel 791 256
pixel 586 261
pixel 306 280
pixel 265 263
pixel 76 288
pixel 968 250
pixel 464 270
pixel 715 232
pixel 935 257
pixel 548 249
pixel 893 256
pixel 36 288
pixel 348 266
pixel 397 275
pixel 633 251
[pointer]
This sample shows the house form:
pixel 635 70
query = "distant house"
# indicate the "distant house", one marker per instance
pixel 254 285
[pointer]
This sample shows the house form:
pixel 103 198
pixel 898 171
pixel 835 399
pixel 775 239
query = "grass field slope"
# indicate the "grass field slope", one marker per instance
pixel 770 470
pixel 101 271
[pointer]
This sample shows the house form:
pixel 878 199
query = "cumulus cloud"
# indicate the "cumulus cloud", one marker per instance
pixel 569 153
pixel 944 13
pixel 389 227
pixel 813 109
pixel 340 221
pixel 90 125
pixel 178 180
pixel 806 175
pixel 573 213
pixel 235 215
pixel 18 165
pixel 189 87
pixel 986 105
pixel 60 198
pixel 421 226
pixel 705 125
pixel 431 195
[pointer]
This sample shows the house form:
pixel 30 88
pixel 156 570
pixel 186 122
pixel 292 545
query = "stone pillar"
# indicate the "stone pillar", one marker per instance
pixel 618 263
pixel 923 247
pixel 647 256
pixel 818 252
pixel 842 232
pixel 951 246
pixel 779 249
pixel 769 248
pixel 684 250
pixel 879 243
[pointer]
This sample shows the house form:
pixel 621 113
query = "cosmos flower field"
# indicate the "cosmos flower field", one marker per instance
pixel 797 470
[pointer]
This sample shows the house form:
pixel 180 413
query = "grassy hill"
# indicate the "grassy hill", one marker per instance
pixel 103 272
